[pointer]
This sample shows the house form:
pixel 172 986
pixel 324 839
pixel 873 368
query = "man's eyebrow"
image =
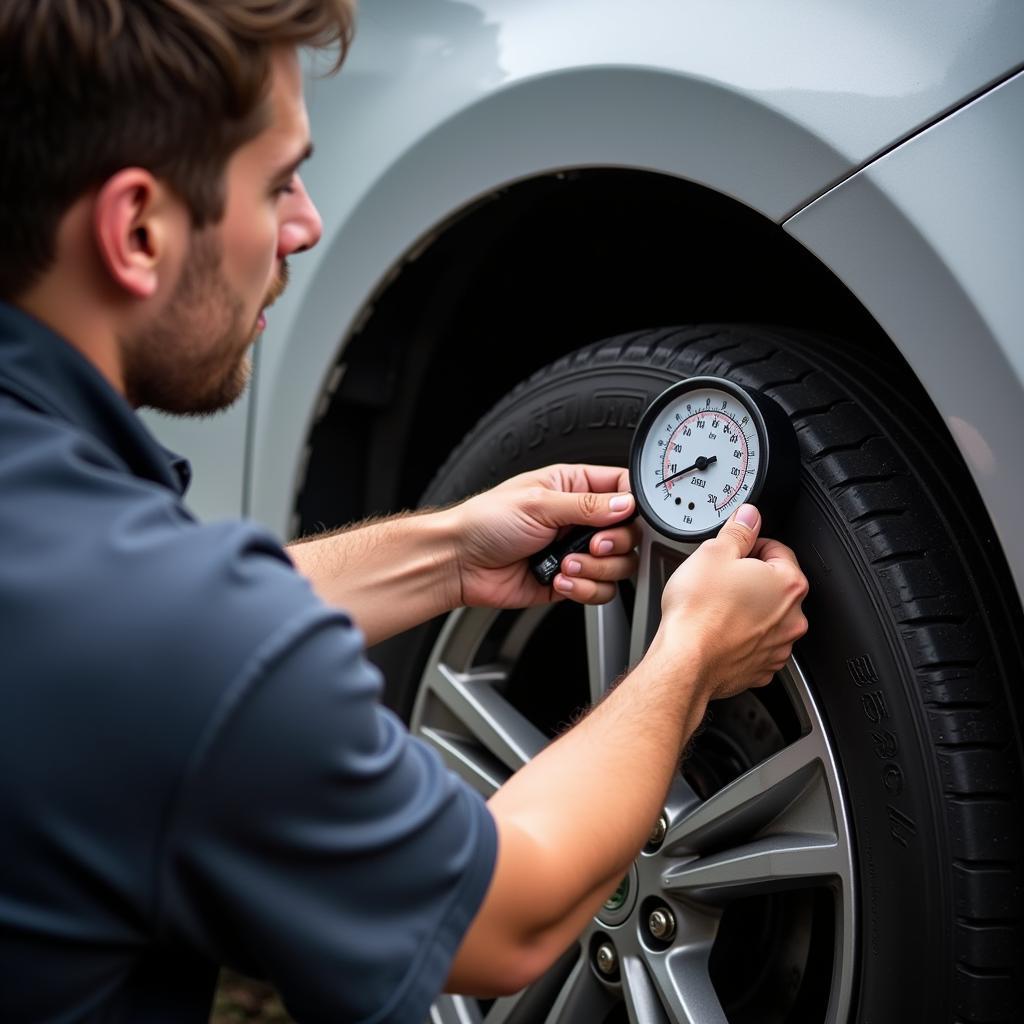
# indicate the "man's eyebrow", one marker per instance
pixel 289 169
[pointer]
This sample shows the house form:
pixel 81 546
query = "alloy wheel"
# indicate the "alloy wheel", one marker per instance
pixel 741 906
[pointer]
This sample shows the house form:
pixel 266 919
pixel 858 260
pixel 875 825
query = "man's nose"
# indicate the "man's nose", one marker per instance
pixel 301 226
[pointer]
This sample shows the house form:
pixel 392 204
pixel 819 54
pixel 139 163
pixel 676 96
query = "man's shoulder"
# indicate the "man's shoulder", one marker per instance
pixel 109 577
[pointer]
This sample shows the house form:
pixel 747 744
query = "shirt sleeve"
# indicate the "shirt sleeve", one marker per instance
pixel 319 845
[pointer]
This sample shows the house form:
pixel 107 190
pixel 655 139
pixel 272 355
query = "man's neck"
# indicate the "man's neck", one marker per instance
pixel 54 304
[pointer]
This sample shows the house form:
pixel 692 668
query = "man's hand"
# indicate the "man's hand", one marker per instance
pixel 500 529
pixel 736 601
pixel 394 573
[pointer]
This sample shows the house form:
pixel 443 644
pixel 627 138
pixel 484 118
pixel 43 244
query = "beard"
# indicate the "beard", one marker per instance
pixel 194 361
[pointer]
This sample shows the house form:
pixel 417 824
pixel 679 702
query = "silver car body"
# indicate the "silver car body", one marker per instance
pixel 887 138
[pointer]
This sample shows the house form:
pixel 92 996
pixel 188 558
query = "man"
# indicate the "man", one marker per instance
pixel 196 769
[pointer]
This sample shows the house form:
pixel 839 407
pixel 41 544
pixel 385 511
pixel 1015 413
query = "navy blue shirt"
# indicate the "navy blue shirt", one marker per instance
pixel 195 768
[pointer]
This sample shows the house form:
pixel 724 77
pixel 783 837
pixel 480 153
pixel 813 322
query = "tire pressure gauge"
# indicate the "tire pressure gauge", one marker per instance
pixel 702 448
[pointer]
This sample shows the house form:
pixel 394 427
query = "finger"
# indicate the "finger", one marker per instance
pixel 619 541
pixel 776 659
pixel 584 508
pixel 612 567
pixel 583 476
pixel 584 591
pixel 769 550
pixel 740 532
pixel 796 628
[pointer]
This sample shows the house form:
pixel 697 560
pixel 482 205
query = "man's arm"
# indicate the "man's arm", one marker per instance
pixel 572 820
pixel 390 574
pixel 395 573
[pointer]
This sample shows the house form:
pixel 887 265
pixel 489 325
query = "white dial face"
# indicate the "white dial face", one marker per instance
pixel 699 460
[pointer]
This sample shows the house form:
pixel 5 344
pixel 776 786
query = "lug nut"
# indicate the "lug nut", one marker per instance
pixel 662 924
pixel 657 835
pixel 606 958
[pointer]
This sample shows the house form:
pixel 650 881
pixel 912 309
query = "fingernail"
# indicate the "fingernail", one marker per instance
pixel 746 515
pixel 620 502
pixel 563 584
pixel 604 547
pixel 574 568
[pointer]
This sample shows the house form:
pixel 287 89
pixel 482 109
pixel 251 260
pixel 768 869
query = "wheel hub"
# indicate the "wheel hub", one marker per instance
pixel 620 905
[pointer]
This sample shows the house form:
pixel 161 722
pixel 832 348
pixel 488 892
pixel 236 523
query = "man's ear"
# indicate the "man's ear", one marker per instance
pixel 138 223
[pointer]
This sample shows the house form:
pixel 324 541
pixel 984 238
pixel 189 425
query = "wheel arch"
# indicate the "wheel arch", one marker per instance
pixel 428 236
pixel 529 273
pixel 697 131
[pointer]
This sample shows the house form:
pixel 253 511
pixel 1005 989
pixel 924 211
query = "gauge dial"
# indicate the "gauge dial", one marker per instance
pixel 700 451
pixel 702 448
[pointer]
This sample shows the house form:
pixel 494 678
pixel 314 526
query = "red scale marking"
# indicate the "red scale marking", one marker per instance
pixel 683 423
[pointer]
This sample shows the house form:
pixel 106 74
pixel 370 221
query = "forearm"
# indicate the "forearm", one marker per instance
pixel 591 799
pixel 588 802
pixel 391 574
pixel 571 821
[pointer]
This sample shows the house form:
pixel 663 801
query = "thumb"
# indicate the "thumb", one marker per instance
pixel 740 532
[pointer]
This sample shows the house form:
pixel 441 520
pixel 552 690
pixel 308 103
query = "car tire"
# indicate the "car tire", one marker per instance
pixel 911 660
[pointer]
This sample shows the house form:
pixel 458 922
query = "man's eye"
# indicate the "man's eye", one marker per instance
pixel 286 189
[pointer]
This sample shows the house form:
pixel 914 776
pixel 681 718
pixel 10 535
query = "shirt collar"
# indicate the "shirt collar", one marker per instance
pixel 46 372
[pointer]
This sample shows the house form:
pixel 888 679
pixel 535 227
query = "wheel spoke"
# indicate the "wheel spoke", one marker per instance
pixel 775 862
pixel 506 1010
pixel 659 558
pixel 789 780
pixel 455 1010
pixel 642 1003
pixel 583 997
pixel 680 801
pixel 468 760
pixel 607 645
pixel 684 986
pixel 478 706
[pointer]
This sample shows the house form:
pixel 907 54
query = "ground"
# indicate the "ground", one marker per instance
pixel 239 999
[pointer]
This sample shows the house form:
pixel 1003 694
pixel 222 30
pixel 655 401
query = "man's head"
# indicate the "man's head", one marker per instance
pixel 149 158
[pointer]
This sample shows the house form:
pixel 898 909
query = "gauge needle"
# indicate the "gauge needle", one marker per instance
pixel 701 463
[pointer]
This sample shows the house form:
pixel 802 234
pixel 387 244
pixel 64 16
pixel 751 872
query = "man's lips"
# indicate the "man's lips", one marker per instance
pixel 273 295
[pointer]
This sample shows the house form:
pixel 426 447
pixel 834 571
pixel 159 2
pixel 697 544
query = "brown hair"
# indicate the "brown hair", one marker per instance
pixel 88 87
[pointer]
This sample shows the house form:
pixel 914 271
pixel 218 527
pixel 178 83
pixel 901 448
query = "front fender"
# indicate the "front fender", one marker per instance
pixel 929 239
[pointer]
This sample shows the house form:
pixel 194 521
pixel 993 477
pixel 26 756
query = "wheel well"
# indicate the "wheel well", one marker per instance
pixel 529 274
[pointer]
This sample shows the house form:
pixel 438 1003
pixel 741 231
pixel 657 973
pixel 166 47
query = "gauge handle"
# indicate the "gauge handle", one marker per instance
pixel 545 564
